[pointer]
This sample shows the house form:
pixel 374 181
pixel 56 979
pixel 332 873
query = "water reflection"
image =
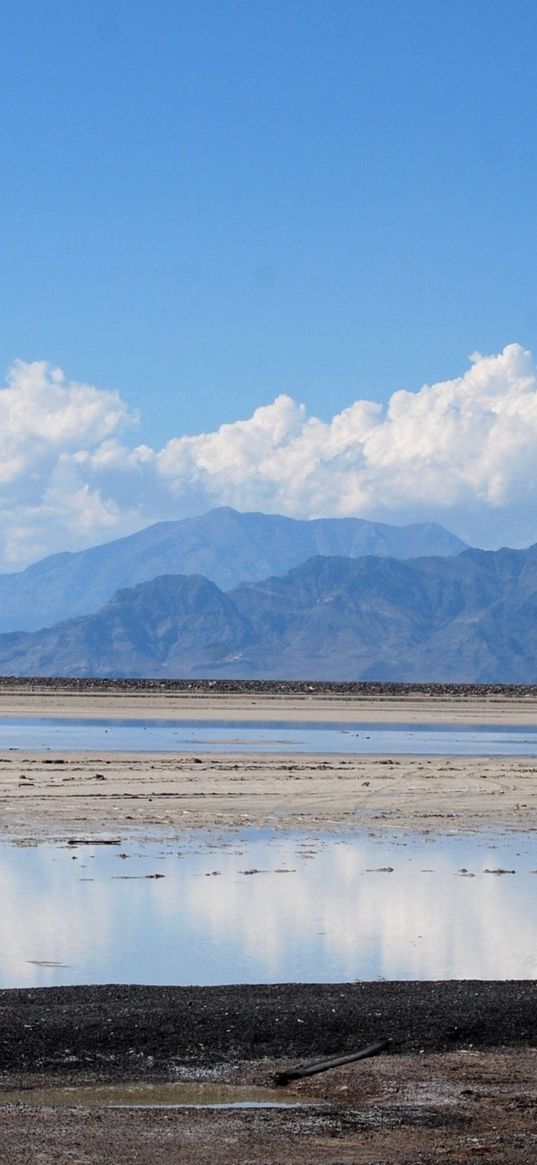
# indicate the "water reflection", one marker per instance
pixel 268 908
pixel 278 737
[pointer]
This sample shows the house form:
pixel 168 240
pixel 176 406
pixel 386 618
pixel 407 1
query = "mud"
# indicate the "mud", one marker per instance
pixel 459 1082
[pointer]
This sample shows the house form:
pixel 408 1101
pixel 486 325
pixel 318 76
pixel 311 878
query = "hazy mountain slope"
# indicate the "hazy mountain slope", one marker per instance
pixel 223 545
pixel 159 627
pixel 469 619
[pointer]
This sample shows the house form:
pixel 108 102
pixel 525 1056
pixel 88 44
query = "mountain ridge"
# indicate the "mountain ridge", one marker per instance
pixel 224 545
pixel 467 619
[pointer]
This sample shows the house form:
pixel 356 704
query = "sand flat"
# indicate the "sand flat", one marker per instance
pixel 56 795
pixel 49 794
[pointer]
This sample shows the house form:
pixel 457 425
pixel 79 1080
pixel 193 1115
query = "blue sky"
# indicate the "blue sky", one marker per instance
pixel 205 204
pixel 208 204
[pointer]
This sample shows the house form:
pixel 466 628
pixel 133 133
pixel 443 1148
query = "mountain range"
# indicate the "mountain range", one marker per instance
pixel 225 546
pixel 468 618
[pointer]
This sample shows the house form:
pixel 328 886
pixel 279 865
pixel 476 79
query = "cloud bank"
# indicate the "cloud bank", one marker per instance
pixel 462 452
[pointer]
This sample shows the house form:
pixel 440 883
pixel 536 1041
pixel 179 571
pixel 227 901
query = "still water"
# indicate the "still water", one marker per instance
pixel 144 1095
pixel 265 907
pixel 279 737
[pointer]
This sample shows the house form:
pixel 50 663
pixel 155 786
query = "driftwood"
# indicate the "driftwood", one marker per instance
pixel 323 1065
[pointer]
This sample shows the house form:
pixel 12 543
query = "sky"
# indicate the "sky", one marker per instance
pixel 278 255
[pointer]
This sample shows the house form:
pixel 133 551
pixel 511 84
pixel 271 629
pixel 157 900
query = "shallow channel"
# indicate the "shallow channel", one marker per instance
pixel 263 907
pixel 64 734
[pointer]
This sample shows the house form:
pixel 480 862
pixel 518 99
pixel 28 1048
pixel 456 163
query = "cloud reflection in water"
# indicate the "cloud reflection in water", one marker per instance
pixel 317 909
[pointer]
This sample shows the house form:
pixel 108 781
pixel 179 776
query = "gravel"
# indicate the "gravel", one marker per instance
pixel 134 1032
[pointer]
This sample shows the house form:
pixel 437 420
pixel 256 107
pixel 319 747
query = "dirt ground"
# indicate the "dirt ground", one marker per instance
pixel 442 1092
pixel 456 1107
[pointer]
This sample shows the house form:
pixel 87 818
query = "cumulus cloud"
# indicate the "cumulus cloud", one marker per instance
pixel 462 452
pixel 45 420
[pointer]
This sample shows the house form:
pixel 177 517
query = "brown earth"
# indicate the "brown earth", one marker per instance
pixel 443 1092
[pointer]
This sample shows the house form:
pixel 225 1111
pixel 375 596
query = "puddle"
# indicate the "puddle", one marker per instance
pixel 266 907
pixel 180 1095
pixel 280 737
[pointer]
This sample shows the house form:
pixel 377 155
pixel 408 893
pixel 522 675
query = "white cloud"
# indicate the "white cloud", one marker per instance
pixel 333 916
pixel 462 452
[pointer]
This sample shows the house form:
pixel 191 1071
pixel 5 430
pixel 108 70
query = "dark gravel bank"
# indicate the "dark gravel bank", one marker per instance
pixel 270 687
pixel 133 1032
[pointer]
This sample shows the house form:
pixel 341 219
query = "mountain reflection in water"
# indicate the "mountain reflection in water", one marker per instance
pixel 266 907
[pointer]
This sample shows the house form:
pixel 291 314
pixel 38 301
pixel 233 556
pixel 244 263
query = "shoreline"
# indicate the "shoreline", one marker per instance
pixel 112 1032
pixel 269 702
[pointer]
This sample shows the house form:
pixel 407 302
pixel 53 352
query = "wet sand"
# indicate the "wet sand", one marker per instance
pixel 44 795
pixel 459 1080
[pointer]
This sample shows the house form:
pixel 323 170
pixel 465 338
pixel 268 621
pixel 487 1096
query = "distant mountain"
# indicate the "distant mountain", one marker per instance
pixel 223 545
pixel 472 618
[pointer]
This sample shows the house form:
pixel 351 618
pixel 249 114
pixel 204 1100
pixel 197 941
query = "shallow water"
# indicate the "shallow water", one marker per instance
pixel 43 733
pixel 180 1095
pixel 268 907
